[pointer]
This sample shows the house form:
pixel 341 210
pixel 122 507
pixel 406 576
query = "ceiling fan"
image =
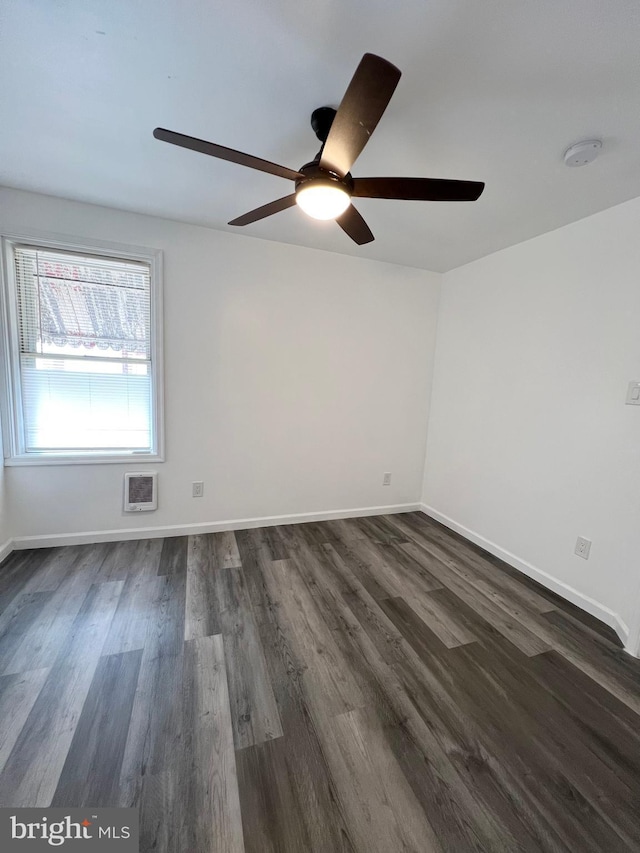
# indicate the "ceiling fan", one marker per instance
pixel 324 187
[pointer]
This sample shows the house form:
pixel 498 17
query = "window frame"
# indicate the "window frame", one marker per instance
pixel 10 382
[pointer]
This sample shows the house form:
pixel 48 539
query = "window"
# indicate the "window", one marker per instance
pixel 82 360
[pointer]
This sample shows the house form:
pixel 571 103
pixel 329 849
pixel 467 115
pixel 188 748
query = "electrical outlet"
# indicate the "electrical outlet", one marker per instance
pixel 386 480
pixel 197 489
pixel 583 546
pixel 633 394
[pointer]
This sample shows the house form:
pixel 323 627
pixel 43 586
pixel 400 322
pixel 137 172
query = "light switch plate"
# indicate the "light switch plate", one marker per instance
pixel 633 394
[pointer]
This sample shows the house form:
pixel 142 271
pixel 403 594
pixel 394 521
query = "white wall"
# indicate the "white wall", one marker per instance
pixel 293 379
pixel 530 443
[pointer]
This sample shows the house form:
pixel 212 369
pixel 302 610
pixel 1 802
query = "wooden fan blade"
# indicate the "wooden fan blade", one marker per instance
pixel 354 225
pixel 265 210
pixel 223 153
pixel 361 109
pixel 417 189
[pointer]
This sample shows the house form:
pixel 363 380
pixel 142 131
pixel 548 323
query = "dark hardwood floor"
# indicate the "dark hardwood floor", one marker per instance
pixel 375 684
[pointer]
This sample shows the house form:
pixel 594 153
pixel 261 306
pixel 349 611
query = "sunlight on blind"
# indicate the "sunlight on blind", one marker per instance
pixel 85 351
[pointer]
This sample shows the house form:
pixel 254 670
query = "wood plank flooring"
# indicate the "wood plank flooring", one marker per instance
pixel 353 686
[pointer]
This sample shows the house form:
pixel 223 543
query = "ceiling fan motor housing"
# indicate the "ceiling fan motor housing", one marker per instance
pixel 314 173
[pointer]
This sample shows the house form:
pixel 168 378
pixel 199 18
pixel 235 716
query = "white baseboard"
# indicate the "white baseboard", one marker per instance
pixel 632 644
pixel 600 611
pixel 6 548
pixel 91 536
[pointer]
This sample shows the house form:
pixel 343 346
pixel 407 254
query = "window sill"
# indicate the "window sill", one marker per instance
pixel 77 459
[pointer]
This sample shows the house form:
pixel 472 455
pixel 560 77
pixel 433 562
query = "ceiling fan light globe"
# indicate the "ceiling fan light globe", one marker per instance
pixel 323 199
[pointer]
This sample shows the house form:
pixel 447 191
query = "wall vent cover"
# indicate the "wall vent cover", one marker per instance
pixel 140 492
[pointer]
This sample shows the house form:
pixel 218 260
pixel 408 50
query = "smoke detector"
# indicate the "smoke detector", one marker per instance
pixel 582 153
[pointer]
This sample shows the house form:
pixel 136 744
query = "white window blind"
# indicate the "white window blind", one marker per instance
pixel 85 353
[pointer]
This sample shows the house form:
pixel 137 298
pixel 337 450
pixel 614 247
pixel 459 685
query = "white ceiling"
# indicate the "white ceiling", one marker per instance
pixel 492 90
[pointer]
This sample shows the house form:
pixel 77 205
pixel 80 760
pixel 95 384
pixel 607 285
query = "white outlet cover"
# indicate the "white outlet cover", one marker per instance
pixel 633 394
pixel 583 546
